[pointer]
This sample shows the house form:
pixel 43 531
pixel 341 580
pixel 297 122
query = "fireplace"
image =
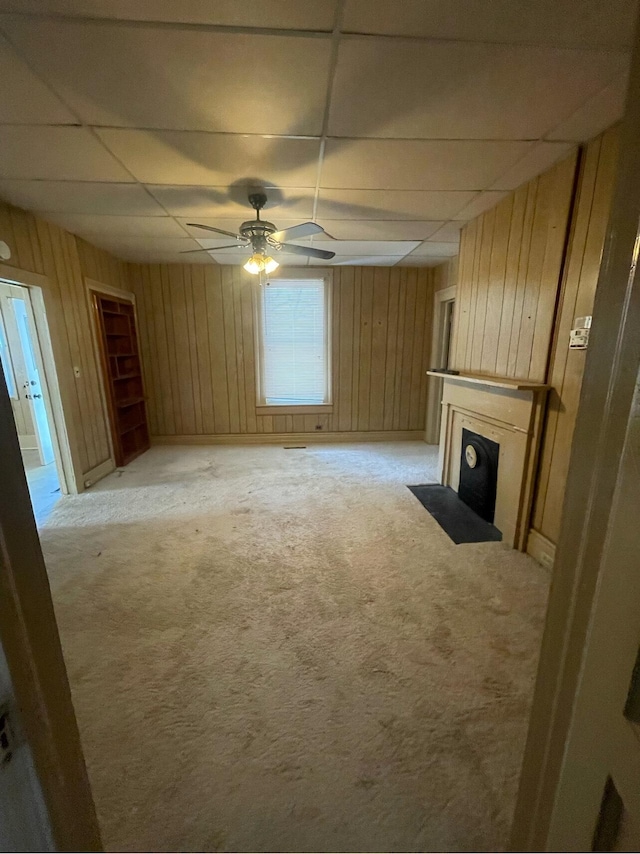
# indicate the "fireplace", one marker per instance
pixel 479 473
pixel 489 443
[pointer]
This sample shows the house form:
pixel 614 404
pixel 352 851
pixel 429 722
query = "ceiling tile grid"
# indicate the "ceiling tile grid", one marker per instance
pixel 389 124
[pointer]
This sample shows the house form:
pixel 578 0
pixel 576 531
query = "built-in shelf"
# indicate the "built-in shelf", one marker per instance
pixel 127 411
pixel 133 427
pixel 128 401
pixel 494 382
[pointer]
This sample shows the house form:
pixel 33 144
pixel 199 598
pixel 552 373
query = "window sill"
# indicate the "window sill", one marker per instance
pixel 288 409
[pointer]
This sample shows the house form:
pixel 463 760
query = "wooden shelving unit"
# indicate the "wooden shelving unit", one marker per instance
pixel 123 377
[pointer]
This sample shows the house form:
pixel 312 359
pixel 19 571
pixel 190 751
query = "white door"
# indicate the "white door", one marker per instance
pixel 33 387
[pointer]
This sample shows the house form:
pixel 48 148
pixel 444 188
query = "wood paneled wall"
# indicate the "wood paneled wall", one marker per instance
pixel 595 189
pixel 198 350
pixel 446 275
pixel 508 279
pixel 38 246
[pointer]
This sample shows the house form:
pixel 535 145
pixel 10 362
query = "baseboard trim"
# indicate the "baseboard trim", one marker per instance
pixel 97 473
pixel 290 438
pixel 28 442
pixel 541 549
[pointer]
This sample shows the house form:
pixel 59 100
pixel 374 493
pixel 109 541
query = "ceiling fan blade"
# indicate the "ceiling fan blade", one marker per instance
pixel 214 248
pixel 307 250
pixel 305 229
pixel 217 230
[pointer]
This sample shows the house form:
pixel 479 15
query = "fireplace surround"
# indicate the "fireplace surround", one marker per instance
pixel 504 411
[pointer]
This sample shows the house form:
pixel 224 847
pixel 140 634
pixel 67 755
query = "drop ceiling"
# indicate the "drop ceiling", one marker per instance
pixel 391 124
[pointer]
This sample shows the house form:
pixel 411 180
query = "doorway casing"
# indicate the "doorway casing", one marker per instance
pixel 443 307
pixel 36 287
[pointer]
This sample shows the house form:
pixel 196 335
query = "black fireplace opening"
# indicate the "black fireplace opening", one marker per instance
pixel 479 474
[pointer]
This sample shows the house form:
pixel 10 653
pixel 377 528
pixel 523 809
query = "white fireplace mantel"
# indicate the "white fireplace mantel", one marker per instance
pixel 509 412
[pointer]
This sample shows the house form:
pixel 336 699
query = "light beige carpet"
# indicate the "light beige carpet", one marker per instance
pixel 280 650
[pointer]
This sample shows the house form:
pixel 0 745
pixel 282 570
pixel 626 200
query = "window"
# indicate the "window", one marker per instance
pixel 294 363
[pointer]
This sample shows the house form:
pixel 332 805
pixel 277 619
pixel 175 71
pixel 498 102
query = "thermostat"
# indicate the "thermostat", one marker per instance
pixel 579 335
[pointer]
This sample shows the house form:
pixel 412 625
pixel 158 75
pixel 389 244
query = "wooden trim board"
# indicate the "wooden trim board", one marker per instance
pixel 541 549
pixel 494 382
pixel 311 409
pixel 98 473
pixel 31 644
pixel 434 390
pixel 101 287
pixel 289 438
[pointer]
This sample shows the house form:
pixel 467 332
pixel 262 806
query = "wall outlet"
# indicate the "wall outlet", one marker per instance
pixel 546 560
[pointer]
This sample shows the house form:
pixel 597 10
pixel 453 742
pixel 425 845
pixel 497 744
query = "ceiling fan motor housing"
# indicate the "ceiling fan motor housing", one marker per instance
pixel 257 231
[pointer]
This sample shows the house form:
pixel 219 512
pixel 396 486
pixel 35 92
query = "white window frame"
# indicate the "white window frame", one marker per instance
pixel 294 274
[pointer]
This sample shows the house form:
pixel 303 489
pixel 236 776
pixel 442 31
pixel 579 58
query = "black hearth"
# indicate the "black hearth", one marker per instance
pixel 479 473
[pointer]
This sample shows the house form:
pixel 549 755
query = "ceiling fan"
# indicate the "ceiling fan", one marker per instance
pixel 262 237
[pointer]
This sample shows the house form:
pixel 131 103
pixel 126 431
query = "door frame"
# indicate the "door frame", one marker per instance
pixel 610 376
pixel 96 287
pixel 434 392
pixel 36 286
pixel 31 644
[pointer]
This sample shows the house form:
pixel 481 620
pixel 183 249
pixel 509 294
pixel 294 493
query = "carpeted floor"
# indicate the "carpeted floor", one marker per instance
pixel 280 650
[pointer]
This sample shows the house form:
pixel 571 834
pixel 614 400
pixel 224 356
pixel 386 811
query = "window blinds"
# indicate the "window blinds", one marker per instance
pixel 294 342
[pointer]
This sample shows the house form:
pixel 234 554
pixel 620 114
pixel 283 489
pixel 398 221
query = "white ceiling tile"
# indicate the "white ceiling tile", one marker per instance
pixel 183 78
pixel 448 90
pixel 544 21
pixel 95 225
pixel 131 247
pixel 366 247
pixel 23 98
pixel 482 202
pixel 358 261
pixel 389 164
pixel 76 197
pixel 344 229
pixel 537 160
pixel 157 256
pixel 276 14
pixel 219 243
pixel 174 157
pixel 209 203
pixel 390 204
pixel 56 153
pixel 597 114
pixel 449 233
pixel 231 225
pixel 436 249
pixel 422 261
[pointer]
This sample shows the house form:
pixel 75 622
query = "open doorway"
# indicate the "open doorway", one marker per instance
pixel 23 368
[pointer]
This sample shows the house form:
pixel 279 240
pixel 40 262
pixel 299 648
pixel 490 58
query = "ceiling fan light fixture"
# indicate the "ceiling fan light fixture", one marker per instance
pixel 255 265
pixel 261 264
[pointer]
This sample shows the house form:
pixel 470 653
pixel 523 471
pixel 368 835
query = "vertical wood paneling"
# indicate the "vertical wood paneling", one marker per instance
pixel 343 294
pixel 509 276
pixel 40 247
pixel 591 214
pixel 197 324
